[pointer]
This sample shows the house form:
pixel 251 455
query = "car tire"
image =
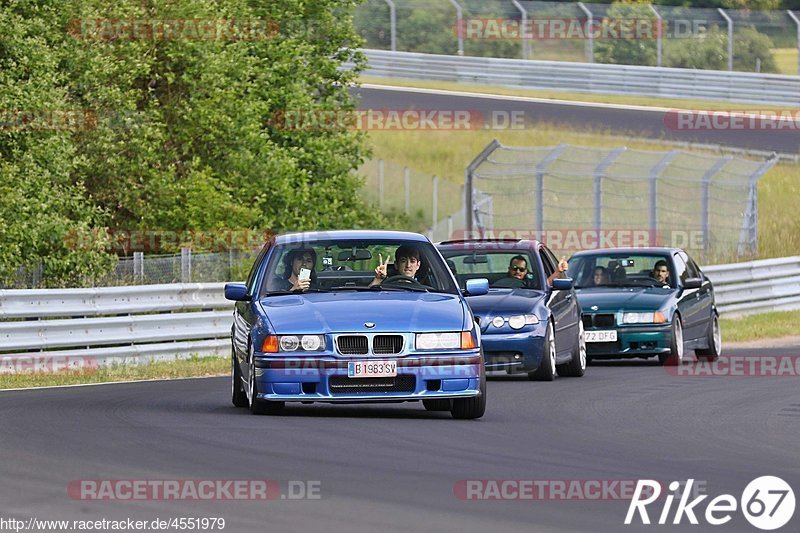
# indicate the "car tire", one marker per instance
pixel 441 404
pixel 471 408
pixel 547 368
pixel 714 337
pixel 260 407
pixel 675 355
pixel 577 365
pixel 238 394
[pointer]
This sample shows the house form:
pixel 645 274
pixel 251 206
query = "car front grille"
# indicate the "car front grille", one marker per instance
pixel 345 385
pixel 599 320
pixel 387 344
pixel 353 344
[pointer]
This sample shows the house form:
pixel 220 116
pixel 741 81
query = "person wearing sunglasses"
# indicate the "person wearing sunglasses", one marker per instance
pixel 517 274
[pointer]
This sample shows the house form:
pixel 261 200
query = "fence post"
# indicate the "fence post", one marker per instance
pixel 460 30
pixel 655 172
pixel 797 23
pixel 540 170
pixel 705 199
pixel 659 31
pixel 730 36
pixel 469 176
pixel 449 227
pixel 589 31
pixel 748 238
pixel 598 186
pixel 524 13
pixel 186 265
pixel 435 201
pixel 138 266
pixel 230 264
pixel 380 183
pixel 392 24
pixel 407 179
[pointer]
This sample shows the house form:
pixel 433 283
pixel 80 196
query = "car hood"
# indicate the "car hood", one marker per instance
pixel 504 302
pixel 623 298
pixel 348 312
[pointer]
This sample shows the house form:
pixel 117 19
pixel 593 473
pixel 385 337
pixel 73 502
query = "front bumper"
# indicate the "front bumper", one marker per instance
pixel 324 379
pixel 633 341
pixel 513 351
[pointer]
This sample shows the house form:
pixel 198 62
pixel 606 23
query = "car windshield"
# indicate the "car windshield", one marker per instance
pixel 505 269
pixel 621 270
pixel 349 265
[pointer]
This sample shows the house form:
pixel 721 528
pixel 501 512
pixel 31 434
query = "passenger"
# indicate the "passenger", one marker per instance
pixel 294 261
pixel 600 276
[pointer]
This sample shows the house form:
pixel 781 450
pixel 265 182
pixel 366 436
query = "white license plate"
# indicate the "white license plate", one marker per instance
pixel 600 336
pixel 372 369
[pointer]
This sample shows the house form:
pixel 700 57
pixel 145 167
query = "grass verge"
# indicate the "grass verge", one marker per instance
pixel 786 60
pixel 763 326
pixel 649 101
pixel 183 368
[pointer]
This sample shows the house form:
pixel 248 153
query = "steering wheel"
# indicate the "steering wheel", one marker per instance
pixel 401 277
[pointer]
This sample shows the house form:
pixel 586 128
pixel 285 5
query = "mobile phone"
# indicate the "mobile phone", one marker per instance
pixel 305 273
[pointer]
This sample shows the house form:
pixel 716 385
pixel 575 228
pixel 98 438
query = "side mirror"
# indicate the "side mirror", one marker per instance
pixel 477 287
pixel 236 292
pixel 693 283
pixel 562 284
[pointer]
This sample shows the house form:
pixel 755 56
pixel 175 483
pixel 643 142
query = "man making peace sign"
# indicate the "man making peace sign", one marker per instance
pixel 406 262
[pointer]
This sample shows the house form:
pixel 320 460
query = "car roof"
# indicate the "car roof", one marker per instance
pixel 653 250
pixel 488 244
pixel 310 236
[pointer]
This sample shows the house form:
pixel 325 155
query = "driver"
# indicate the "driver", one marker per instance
pixel 661 272
pixel 406 263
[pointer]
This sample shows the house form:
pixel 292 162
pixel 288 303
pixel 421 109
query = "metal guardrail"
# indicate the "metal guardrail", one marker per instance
pixel 742 87
pixel 756 286
pixel 112 325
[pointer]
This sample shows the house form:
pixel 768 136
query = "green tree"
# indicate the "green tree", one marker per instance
pixel 638 51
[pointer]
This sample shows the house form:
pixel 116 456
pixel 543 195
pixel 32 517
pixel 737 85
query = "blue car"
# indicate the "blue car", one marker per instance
pixel 646 302
pixel 527 325
pixel 328 317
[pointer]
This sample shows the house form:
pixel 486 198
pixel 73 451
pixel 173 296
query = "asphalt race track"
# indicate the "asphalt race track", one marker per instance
pixel 394 467
pixel 633 121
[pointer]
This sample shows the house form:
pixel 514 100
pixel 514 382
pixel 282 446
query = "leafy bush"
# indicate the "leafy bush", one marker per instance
pixel 710 51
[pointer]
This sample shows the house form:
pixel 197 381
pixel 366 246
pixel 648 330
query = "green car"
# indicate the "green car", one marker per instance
pixel 645 302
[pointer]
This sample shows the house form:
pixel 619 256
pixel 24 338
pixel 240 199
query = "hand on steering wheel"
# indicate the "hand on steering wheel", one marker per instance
pixel 401 277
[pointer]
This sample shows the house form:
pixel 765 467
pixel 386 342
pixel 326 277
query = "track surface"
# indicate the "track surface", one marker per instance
pixel 393 467
pixel 644 123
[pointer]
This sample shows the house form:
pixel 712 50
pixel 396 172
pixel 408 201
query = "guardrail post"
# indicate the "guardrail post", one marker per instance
pixel 138 266
pixel 392 24
pixel 598 186
pixel 655 172
pixel 705 198
pixel 540 171
pixel 730 36
pixel 524 13
pixel 589 31
pixel 407 180
pixel 460 30
pixel 797 23
pixel 659 31
pixel 470 212
pixel 186 265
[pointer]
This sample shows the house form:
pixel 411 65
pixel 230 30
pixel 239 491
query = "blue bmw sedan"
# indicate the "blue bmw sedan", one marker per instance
pixel 530 318
pixel 355 316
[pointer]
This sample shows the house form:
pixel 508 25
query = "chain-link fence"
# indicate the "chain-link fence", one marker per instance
pixel 632 34
pixel 575 197
pixel 144 269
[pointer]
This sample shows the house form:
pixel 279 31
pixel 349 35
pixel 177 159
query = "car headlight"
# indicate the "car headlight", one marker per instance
pixel 450 340
pixel 293 343
pixel 643 318
pixel 516 321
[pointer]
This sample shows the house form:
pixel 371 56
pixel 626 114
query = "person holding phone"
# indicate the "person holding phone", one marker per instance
pixel 298 271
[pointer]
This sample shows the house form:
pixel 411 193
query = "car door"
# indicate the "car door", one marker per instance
pixel 243 314
pixel 563 306
pixel 705 295
pixel 688 300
